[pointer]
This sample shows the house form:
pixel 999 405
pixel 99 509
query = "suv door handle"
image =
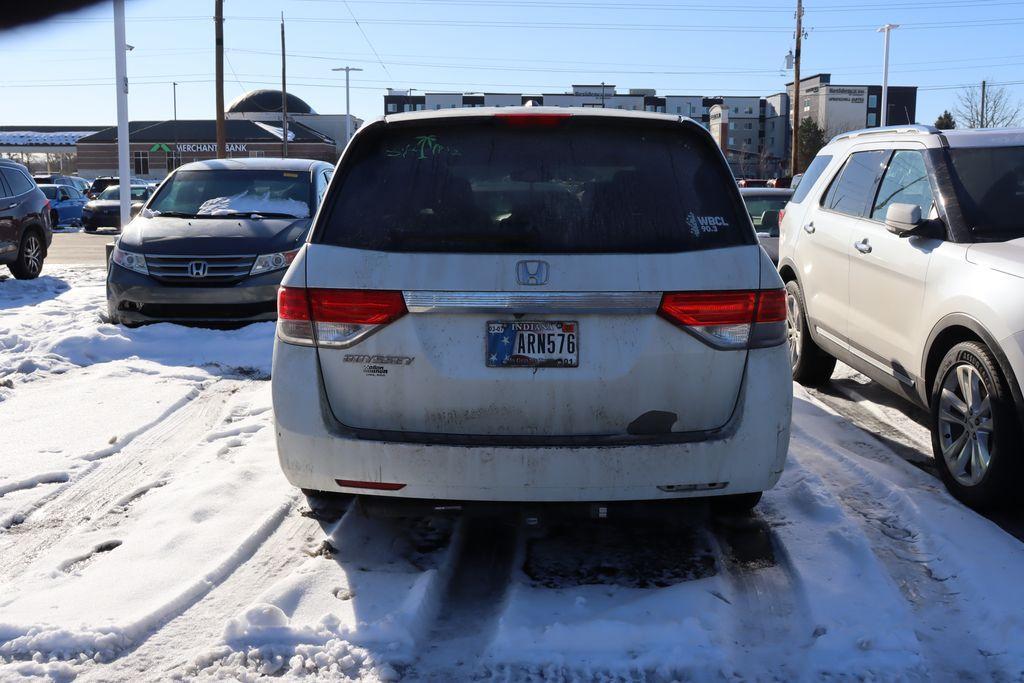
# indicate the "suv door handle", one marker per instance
pixel 809 228
pixel 13 206
pixel 863 246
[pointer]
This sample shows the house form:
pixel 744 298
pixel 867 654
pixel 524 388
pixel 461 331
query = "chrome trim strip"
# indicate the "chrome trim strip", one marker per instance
pixel 531 302
pixel 866 357
pixel 197 256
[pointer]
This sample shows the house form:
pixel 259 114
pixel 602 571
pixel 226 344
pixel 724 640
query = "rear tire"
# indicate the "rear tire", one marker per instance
pixel 976 434
pixel 811 365
pixel 29 262
pixel 738 504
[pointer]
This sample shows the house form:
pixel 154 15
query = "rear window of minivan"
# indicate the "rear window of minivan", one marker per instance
pixel 553 185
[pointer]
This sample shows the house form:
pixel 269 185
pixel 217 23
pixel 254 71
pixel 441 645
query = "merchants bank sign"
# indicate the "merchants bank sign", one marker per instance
pixel 197 147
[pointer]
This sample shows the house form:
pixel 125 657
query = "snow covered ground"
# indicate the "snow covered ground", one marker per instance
pixel 146 533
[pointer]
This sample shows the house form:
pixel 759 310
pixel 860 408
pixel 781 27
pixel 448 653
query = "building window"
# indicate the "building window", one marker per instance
pixel 750 110
pixel 257 153
pixel 140 163
pixel 679 110
pixel 748 125
pixel 872 101
pixel 392 107
pixel 732 141
pixel 771 141
pixel 173 160
pixel 872 119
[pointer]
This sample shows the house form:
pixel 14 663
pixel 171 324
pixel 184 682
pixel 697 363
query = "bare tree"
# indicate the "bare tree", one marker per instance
pixel 1000 109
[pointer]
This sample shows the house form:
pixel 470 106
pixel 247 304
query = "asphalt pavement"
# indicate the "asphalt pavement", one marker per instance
pixel 80 248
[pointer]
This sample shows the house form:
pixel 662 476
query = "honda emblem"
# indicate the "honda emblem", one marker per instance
pixel 532 272
pixel 197 268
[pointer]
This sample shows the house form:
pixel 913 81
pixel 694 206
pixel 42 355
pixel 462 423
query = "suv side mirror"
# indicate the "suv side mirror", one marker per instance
pixel 902 218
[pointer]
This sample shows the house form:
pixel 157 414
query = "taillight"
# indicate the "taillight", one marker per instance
pixel 782 214
pixel 729 319
pixel 335 318
pixel 532 120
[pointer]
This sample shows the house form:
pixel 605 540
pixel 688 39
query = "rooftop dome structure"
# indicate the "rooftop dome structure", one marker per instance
pixel 266 102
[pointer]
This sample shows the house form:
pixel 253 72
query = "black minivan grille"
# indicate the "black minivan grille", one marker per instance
pixel 199 270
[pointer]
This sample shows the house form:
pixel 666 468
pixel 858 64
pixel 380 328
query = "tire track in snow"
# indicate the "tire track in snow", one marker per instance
pixel 479 575
pixel 901 550
pixel 767 595
pixel 103 482
pixel 167 647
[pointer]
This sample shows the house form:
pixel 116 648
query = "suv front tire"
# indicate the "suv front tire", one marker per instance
pixel 975 430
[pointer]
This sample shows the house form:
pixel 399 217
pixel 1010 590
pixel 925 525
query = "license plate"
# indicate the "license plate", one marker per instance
pixel 533 344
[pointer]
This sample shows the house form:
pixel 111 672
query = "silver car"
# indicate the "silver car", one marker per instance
pixel 903 256
pixel 533 304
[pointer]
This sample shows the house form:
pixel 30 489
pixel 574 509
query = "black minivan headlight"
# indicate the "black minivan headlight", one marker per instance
pixel 268 262
pixel 129 260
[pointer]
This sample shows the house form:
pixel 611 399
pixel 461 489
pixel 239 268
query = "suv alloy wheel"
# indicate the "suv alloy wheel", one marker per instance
pixel 30 257
pixel 975 432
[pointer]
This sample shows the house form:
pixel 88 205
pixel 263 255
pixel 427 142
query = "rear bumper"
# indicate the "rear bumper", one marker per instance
pixel 136 298
pixel 746 456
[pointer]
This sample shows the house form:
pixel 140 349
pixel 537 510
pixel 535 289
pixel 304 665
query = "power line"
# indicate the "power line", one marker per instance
pixel 367 39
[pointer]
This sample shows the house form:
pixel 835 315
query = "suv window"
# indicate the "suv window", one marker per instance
pixel 905 182
pixel 810 177
pixel 990 184
pixel 17 181
pixel 854 188
pixel 578 186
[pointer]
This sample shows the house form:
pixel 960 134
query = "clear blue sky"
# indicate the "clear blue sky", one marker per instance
pixel 61 71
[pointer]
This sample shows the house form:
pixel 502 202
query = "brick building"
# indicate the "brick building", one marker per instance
pixel 158 147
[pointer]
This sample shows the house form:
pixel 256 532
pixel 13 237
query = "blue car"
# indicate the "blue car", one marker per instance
pixel 66 204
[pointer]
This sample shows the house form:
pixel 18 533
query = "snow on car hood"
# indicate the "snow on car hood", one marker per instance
pixel 1004 257
pixel 245 202
pixel 211 235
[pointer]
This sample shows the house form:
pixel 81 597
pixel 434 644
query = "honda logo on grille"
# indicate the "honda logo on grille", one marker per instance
pixel 532 272
pixel 198 268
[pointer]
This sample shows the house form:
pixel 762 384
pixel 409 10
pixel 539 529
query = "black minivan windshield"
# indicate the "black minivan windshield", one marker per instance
pixel 534 183
pixel 235 192
pixel 990 184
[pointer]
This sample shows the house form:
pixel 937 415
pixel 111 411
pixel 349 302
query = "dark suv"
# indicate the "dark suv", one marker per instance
pixel 25 232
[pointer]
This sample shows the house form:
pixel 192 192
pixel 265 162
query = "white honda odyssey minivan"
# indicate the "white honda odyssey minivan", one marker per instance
pixel 533 304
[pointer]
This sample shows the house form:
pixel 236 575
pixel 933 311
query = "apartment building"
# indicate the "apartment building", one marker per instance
pixel 758 131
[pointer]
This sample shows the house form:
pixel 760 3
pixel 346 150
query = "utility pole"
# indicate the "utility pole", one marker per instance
pixel 284 97
pixel 983 117
pixel 218 21
pixel 121 67
pixel 887 29
pixel 174 152
pixel 348 109
pixel 796 89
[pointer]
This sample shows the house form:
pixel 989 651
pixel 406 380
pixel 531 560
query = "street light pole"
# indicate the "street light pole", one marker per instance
pixel 121 67
pixel 348 108
pixel 887 29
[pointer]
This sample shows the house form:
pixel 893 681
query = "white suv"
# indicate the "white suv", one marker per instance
pixel 903 256
pixel 533 304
